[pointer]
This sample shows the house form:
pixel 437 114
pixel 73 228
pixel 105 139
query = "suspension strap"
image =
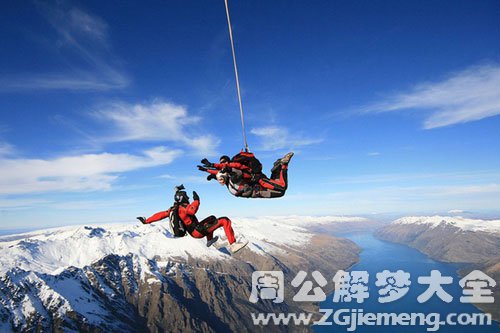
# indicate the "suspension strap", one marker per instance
pixel 236 74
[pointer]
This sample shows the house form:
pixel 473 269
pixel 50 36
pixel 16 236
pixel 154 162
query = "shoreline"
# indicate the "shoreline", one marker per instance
pixel 460 271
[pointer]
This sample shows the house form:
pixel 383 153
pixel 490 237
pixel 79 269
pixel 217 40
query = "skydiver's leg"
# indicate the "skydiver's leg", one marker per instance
pixel 228 229
pixel 197 234
pixel 282 161
pixel 278 181
pixel 201 229
pixel 207 227
pixel 268 193
pixel 201 232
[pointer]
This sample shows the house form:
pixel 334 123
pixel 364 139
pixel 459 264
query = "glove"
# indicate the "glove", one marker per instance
pixel 206 163
pixel 201 168
pixel 196 196
pixel 142 219
pixel 226 170
pixel 211 176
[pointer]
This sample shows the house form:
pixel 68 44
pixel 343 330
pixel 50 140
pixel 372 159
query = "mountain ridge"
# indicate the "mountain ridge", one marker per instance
pixel 202 289
pixel 472 242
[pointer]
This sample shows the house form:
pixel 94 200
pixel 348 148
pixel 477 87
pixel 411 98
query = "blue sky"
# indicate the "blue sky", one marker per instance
pixel 390 106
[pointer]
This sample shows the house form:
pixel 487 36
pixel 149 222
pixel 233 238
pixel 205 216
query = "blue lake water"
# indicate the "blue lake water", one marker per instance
pixel 377 256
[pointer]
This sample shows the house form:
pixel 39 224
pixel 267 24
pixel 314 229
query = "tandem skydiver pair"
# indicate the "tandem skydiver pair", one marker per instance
pixel 243 177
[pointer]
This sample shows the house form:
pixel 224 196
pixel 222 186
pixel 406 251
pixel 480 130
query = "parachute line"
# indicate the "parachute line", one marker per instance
pixel 236 74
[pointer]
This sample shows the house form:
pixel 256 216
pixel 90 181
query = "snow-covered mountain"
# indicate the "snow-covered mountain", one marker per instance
pixel 51 250
pixel 133 277
pixel 462 223
pixel 447 238
pixel 474 242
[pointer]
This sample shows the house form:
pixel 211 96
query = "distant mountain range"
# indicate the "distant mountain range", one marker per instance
pixel 130 278
pixel 455 239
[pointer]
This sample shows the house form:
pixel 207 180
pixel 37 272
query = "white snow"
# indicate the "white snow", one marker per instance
pixel 152 247
pixel 268 233
pixel 491 226
pixel 52 250
pixel 75 298
pixel 42 293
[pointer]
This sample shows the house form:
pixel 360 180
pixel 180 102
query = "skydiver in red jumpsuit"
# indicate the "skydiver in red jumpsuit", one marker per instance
pixel 186 212
pixel 242 181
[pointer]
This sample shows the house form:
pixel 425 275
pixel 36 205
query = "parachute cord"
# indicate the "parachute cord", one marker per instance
pixel 236 74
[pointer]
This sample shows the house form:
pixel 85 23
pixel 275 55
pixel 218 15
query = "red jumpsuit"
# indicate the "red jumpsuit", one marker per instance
pixel 278 180
pixel 197 229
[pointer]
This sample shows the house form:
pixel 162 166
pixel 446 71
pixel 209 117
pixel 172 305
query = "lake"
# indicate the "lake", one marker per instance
pixel 379 255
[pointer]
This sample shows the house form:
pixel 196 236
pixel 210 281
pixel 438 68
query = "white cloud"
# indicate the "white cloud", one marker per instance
pixel 20 203
pixel 66 81
pixel 167 176
pixel 157 121
pixel 75 173
pixel 202 180
pixel 465 96
pixel 82 42
pixel 6 149
pixel 404 199
pixel 91 204
pixel 276 138
pixel 456 190
pixel 478 175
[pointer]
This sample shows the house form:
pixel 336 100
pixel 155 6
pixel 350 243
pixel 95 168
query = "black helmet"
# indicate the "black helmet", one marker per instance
pixel 224 159
pixel 180 196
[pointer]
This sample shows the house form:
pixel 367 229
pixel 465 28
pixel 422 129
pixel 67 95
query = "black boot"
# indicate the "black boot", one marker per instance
pixel 286 159
pixel 213 240
pixel 276 166
pixel 142 219
pixel 281 161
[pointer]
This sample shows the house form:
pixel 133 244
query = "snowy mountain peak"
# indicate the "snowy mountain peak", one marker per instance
pixel 52 250
pixel 121 277
pixel 492 226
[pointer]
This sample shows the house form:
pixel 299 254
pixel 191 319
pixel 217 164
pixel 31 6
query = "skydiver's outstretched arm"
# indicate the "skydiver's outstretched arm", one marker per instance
pixel 192 208
pixel 220 166
pixel 233 165
pixel 234 173
pixel 212 172
pixel 209 170
pixel 156 217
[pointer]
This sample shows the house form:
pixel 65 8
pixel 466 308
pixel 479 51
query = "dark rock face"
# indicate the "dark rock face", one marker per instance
pixel 130 294
pixel 492 269
pixel 448 243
